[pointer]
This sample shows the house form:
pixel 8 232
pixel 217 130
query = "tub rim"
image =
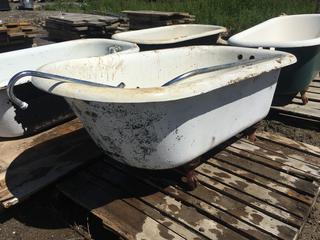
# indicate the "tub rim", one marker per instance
pixel 241 38
pixel 56 46
pixel 162 94
pixel 123 36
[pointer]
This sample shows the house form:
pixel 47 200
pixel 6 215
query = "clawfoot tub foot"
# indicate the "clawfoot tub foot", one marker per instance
pixel 189 177
pixel 304 97
pixel 250 133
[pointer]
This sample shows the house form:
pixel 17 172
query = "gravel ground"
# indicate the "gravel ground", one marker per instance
pixel 35 219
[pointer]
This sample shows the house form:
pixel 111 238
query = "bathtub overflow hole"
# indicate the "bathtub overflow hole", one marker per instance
pixel 252 57
pixel 240 56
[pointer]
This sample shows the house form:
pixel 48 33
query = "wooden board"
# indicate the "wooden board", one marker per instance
pixel 261 190
pixel 16 35
pixel 68 26
pixel 27 165
pixel 147 19
pixel 309 112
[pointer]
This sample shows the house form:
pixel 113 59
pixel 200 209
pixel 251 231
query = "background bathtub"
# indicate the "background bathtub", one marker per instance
pixel 172 36
pixel 45 110
pixel 148 126
pixel 297 34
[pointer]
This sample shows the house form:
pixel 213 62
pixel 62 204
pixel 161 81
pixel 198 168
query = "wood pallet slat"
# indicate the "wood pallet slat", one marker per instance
pixel 118 215
pixel 254 190
pixel 233 200
pixel 315 90
pixel 28 165
pixel 250 200
pixel 283 141
pixel 310 112
pixel 148 19
pixel 192 219
pixel 256 173
pixel 281 163
pixel 237 214
pixel 69 26
pixel 14 35
pixel 315 84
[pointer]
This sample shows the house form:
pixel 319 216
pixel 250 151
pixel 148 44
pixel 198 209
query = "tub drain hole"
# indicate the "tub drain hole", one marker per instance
pixel 240 56
pixel 252 57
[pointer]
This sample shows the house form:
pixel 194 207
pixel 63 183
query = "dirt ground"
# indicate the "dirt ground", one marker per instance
pixel 37 219
pixel 293 132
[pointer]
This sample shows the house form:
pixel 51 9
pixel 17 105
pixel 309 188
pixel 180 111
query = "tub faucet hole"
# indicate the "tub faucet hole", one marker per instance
pixel 252 57
pixel 240 56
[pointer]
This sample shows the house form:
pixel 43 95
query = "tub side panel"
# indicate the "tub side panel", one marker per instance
pixel 298 76
pixel 168 134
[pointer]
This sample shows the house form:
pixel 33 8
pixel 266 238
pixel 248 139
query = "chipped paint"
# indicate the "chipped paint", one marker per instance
pixel 150 230
pixel 172 205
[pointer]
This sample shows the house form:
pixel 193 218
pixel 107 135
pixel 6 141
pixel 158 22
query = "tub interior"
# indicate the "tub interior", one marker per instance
pixel 152 68
pixel 173 33
pixel 283 29
pixel 33 58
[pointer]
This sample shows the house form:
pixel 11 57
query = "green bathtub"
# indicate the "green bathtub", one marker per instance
pixel 296 34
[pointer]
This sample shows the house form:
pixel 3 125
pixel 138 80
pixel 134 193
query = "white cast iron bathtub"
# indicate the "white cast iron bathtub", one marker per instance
pixel 172 36
pixel 16 123
pixel 149 126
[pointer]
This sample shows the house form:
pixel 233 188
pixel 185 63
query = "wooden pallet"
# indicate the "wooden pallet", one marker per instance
pixel 30 164
pixel 69 26
pixel 308 112
pixel 16 35
pixel 246 191
pixel 149 19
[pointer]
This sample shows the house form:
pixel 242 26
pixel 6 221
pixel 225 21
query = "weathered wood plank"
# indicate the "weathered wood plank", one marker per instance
pixel 238 196
pixel 156 13
pixel 280 162
pixel 257 191
pixel 312 89
pixel 303 147
pixel 249 200
pixel 312 96
pixel 291 153
pixel 173 179
pixel 11 149
pixel 310 104
pixel 37 161
pixel 222 208
pixel 118 215
pixel 249 171
pixel 297 157
pixel 168 222
pixel 283 170
pixel 45 166
pixel 300 110
pixel 315 84
pixel 182 213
